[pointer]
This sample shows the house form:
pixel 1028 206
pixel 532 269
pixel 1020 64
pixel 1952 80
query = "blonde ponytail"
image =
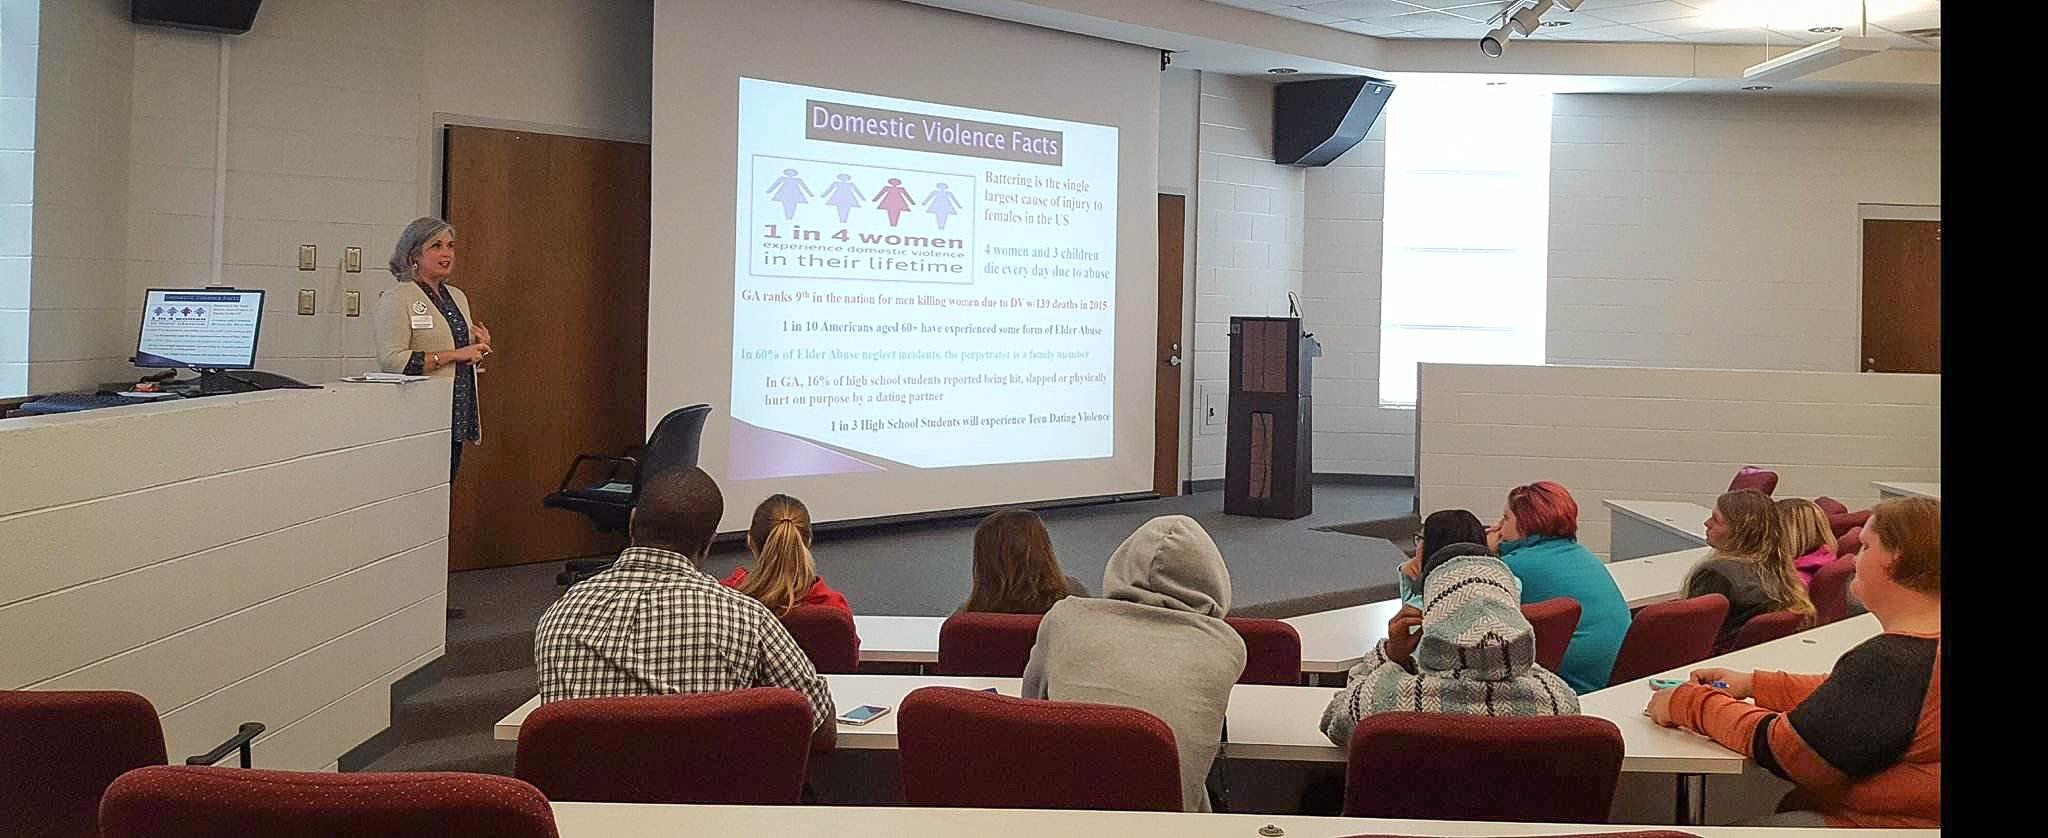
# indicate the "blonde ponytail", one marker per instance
pixel 780 539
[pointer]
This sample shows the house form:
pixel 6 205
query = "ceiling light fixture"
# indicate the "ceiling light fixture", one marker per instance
pixel 1495 42
pixel 1824 30
pixel 1549 23
pixel 1756 87
pixel 1281 71
pixel 1840 49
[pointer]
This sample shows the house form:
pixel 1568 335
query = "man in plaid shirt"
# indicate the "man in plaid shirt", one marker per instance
pixel 655 624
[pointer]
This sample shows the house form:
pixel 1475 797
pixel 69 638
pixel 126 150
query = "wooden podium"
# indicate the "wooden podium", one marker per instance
pixel 1268 464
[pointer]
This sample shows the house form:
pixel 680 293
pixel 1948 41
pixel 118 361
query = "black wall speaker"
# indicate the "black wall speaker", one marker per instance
pixel 230 16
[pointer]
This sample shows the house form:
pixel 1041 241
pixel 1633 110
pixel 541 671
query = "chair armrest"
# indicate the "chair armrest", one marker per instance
pixel 615 462
pixel 239 742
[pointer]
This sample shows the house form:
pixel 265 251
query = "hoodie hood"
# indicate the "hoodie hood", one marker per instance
pixel 1171 563
pixel 1472 623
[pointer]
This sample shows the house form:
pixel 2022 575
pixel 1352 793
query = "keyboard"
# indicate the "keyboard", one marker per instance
pixel 73 402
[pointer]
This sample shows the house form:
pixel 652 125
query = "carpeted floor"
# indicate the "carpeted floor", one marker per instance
pixel 1278 569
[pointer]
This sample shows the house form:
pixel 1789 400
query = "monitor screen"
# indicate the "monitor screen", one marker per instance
pixel 199 328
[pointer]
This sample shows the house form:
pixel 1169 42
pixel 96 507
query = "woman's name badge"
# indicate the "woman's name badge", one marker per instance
pixel 422 321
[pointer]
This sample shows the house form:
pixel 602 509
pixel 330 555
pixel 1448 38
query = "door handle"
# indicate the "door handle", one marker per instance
pixel 1173 360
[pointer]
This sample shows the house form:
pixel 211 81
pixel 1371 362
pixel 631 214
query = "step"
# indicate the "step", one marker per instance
pixel 498 651
pixel 462 704
pixel 472 752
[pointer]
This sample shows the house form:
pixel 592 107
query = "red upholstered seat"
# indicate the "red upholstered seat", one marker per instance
pixel 826 635
pixel 1483 768
pixel 969 748
pixel 1830 590
pixel 1272 651
pixel 1669 635
pixel 187 801
pixel 1751 477
pixel 1554 620
pixel 60 750
pixel 987 645
pixel 1766 627
pixel 670 748
pixel 1830 505
pixel 1849 543
pixel 1842 523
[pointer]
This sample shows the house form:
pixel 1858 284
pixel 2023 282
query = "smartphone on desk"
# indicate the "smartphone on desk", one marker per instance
pixel 862 715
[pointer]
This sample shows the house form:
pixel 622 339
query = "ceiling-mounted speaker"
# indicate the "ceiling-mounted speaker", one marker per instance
pixel 232 17
pixel 1315 122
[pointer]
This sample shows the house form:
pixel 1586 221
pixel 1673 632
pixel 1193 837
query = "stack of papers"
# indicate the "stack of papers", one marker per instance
pixel 384 378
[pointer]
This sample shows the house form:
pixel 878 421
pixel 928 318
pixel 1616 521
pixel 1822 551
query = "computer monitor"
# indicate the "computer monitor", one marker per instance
pixel 199 328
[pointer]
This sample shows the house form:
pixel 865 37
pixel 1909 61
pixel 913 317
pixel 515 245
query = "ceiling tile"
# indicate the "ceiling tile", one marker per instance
pixel 1294 13
pixel 1356 9
pixel 1656 10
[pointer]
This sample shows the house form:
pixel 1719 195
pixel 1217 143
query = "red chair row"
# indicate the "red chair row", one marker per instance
pixel 999 646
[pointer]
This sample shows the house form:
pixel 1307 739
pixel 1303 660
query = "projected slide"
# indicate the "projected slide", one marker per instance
pixel 918 285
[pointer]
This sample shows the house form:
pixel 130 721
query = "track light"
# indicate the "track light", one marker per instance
pixel 1526 20
pixel 1494 43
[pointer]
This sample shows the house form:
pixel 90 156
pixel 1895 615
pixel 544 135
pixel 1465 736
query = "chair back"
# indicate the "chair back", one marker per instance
pixel 747 747
pixel 1830 590
pixel 1556 769
pixel 673 444
pixel 1553 620
pixel 1766 627
pixel 1751 477
pixel 1669 635
pixel 987 645
pixel 1841 524
pixel 190 801
pixel 1849 543
pixel 968 748
pixel 1830 506
pixel 1272 651
pixel 60 750
pixel 827 636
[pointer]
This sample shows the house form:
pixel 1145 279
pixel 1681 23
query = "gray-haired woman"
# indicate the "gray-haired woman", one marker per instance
pixel 424 325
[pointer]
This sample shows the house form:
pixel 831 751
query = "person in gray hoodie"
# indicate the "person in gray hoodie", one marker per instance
pixel 1475 655
pixel 1155 640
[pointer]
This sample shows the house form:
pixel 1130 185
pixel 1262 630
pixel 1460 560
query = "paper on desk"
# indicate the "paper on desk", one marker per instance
pixel 384 378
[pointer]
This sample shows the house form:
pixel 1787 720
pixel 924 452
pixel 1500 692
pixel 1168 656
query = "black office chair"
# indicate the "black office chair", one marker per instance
pixel 609 502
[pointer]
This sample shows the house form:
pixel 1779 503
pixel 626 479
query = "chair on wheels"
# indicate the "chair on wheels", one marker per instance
pixel 987 645
pixel 670 748
pixel 1272 651
pixel 1553 620
pixel 63 748
pixel 961 747
pixel 1557 769
pixel 1767 627
pixel 609 502
pixel 193 802
pixel 1669 635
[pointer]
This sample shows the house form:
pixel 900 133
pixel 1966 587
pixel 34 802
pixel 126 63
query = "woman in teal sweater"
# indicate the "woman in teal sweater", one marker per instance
pixel 1538 539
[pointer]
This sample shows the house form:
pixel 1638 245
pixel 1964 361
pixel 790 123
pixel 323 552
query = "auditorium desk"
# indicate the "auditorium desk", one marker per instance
pixel 1653 579
pixel 1888 489
pixel 642 820
pixel 1648 527
pixel 898 639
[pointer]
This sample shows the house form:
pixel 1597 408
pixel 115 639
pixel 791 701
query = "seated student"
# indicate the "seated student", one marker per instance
pixel 1015 571
pixel 1863 742
pixel 1537 538
pixel 1475 655
pixel 655 624
pixel 1442 528
pixel 1746 565
pixel 1156 641
pixel 784 575
pixel 1805 538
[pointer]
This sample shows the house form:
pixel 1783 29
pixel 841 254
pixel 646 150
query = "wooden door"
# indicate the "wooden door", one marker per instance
pixel 1166 407
pixel 551 243
pixel 1901 296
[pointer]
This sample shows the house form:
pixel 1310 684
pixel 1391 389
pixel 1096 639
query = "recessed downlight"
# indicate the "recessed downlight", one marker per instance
pixel 1754 87
pixel 1281 71
pixel 1824 30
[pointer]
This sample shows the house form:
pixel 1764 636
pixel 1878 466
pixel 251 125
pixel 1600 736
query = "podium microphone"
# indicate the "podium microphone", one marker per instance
pixel 1292 309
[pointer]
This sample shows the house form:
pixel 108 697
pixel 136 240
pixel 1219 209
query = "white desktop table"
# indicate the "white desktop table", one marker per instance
pixel 647 820
pixel 1334 641
pixel 898 639
pixel 1649 527
pixel 1654 579
pixel 1888 489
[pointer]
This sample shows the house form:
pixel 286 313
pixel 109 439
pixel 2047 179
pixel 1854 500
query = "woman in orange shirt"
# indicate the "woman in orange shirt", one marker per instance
pixel 1863 742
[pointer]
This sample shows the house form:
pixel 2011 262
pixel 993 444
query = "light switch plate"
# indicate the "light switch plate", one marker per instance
pixel 306 301
pixel 309 257
pixel 353 304
pixel 352 260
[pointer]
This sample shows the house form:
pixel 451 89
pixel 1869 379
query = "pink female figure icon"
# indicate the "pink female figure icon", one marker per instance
pixel 894 200
pixel 789 191
pixel 942 203
pixel 843 196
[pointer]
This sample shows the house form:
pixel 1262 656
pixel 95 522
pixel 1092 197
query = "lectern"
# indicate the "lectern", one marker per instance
pixel 1268 465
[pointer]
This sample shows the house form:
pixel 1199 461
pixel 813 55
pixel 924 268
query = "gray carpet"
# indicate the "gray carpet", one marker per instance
pixel 1278 569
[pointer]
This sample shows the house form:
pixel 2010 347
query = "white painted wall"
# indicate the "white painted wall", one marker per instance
pixel 79 243
pixel 334 109
pixel 1721 231
pixel 1248 247
pixel 19 34
pixel 1714 232
pixel 288 578
pixel 1668 434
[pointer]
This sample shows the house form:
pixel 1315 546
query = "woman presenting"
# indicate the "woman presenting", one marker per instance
pixel 424 325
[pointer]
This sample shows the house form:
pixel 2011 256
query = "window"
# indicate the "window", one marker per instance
pixel 1467 229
